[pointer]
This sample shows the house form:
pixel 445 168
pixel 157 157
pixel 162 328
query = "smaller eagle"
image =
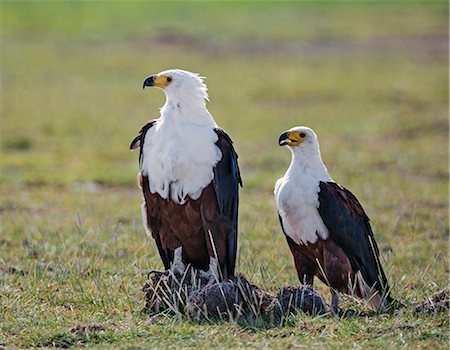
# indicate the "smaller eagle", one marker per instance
pixel 190 180
pixel 326 228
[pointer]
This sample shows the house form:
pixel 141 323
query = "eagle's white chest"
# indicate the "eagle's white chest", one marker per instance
pixel 297 201
pixel 179 159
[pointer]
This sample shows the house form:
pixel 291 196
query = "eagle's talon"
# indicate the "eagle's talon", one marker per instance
pixel 151 272
pixel 334 307
pixel 178 267
pixel 212 275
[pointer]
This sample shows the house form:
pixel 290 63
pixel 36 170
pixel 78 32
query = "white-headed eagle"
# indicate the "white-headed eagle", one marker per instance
pixel 327 230
pixel 190 179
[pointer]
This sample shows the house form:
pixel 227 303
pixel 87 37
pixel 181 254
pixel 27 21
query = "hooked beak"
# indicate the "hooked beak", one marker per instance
pixel 150 81
pixel 283 139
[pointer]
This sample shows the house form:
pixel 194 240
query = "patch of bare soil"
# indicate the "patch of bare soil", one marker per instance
pixel 86 328
pixel 11 270
pixel 416 46
pixel 437 302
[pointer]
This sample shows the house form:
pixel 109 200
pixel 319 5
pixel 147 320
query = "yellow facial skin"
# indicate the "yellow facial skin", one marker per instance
pixel 292 138
pixel 162 81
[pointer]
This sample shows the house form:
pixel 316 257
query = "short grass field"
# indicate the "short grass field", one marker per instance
pixel 371 78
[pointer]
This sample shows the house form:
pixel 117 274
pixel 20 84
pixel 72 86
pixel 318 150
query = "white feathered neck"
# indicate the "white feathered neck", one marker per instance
pixel 297 192
pixel 308 161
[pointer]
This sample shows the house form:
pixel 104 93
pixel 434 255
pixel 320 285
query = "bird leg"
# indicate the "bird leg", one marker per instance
pixel 177 266
pixel 334 302
pixel 212 275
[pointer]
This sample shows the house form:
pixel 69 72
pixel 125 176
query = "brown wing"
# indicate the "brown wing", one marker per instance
pixel 227 179
pixel 350 229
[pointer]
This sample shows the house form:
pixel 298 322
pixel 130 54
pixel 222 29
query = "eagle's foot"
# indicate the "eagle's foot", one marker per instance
pixel 334 309
pixel 177 268
pixel 212 275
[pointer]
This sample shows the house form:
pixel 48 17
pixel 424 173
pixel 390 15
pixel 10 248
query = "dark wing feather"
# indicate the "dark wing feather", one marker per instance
pixel 350 229
pixel 153 219
pixel 138 141
pixel 281 223
pixel 227 179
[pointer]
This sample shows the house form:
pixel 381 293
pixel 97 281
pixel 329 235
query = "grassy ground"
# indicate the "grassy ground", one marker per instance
pixel 369 77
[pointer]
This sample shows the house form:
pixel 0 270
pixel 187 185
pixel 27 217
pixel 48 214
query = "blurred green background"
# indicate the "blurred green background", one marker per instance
pixel 371 78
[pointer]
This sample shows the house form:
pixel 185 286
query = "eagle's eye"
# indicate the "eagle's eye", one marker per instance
pixel 302 134
pixel 169 79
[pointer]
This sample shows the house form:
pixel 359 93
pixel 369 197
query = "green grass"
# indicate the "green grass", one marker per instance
pixel 369 77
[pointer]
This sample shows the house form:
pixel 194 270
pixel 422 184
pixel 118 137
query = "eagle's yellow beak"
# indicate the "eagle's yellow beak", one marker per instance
pixel 160 81
pixel 291 138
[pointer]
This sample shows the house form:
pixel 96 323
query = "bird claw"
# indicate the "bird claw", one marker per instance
pixel 177 270
pixel 151 272
pixel 178 267
pixel 334 307
pixel 209 276
pixel 212 275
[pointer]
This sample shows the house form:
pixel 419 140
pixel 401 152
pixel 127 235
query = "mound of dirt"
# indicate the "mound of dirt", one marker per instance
pixel 303 297
pixel 437 302
pixel 166 291
pixel 192 296
pixel 230 299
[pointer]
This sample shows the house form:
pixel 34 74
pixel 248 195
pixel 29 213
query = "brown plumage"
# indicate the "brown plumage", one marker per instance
pixel 324 255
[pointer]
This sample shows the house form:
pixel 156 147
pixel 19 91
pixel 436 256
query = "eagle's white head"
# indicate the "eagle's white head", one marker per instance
pixel 180 151
pixel 304 145
pixel 300 139
pixel 180 87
